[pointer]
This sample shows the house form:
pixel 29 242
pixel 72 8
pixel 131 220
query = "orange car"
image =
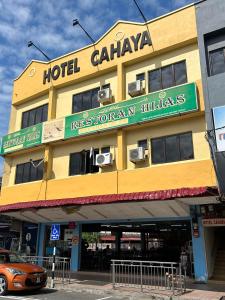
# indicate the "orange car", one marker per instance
pixel 17 275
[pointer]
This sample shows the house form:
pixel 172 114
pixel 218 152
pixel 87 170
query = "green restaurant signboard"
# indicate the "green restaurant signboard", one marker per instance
pixel 25 138
pixel 163 104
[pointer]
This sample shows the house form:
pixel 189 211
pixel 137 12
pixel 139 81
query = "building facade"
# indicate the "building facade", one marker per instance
pixel 111 138
pixel 211 40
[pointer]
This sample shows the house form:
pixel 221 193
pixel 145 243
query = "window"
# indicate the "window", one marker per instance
pixel 27 172
pixel 215 51
pixel 106 86
pixel 140 76
pixel 143 143
pixel 172 148
pixel 168 76
pixel 105 149
pixel 83 162
pixel 34 116
pixel 85 100
pixel 217 61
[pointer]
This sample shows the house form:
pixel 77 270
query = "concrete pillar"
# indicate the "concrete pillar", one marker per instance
pixel 41 239
pixel 76 249
pixel 199 254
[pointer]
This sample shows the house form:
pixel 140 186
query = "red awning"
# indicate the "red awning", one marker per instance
pixel 112 198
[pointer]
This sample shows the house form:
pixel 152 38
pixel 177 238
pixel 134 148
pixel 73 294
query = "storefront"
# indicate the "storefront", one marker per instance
pixel 111 139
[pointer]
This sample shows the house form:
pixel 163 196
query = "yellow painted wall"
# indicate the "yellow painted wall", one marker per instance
pixel 174 38
pixel 169 32
pixel 189 53
pixel 65 95
pixel 195 125
pixel 61 153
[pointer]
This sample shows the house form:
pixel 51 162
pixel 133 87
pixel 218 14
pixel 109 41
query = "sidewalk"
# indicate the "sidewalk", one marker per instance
pixel 212 291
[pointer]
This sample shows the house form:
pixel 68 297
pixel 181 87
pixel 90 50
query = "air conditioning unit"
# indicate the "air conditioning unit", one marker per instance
pixel 104 159
pixel 136 88
pixel 137 154
pixel 105 96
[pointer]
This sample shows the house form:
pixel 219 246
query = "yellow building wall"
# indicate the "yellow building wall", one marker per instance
pixel 61 154
pixel 195 125
pixel 189 53
pixel 174 38
pixel 168 32
pixel 65 95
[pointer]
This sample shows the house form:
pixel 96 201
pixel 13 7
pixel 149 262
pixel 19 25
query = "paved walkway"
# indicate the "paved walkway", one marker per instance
pixel 84 282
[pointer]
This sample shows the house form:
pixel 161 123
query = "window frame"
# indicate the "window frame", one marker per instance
pixel 163 139
pixel 85 157
pixel 173 76
pixel 35 110
pixel 81 94
pixel 29 167
pixel 210 60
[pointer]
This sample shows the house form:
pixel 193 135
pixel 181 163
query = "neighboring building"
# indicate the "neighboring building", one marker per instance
pixel 211 39
pixel 153 166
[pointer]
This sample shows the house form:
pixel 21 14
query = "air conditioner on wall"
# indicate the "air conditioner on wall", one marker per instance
pixel 104 159
pixel 105 96
pixel 137 154
pixel 136 88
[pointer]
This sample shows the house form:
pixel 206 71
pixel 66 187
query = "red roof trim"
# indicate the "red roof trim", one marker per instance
pixel 112 198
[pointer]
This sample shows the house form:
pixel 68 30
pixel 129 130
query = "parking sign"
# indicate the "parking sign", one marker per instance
pixel 55 232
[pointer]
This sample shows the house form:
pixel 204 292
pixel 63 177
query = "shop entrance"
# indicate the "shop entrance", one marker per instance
pixel 152 241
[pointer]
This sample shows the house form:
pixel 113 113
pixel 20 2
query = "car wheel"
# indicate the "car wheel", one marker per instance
pixel 3 285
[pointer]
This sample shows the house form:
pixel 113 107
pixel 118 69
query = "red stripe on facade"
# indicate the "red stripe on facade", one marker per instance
pixel 103 199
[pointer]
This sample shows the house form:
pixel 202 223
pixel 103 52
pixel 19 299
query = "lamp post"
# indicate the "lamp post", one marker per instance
pixel 30 44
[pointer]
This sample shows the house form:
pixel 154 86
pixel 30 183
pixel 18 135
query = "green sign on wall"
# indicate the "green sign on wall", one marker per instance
pixel 25 138
pixel 165 103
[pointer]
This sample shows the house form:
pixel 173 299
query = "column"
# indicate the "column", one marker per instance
pixel 199 253
pixel 41 239
pixel 76 248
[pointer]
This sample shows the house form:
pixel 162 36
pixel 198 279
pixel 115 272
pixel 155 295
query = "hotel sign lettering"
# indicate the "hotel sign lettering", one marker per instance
pixel 163 104
pixel 128 45
pixel 166 103
pixel 25 138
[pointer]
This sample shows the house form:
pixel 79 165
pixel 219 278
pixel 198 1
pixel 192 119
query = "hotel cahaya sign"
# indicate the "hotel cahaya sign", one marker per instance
pixel 119 49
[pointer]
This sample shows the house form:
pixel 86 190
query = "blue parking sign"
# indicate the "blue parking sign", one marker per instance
pixel 55 232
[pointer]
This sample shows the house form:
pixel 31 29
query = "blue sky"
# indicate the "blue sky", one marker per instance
pixel 48 23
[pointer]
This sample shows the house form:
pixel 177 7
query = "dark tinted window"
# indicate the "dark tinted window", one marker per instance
pixel 28 172
pixel 158 151
pixel 83 162
pixel 34 116
pixel 140 76
pixel 155 80
pixel 217 61
pixel 180 73
pixel 85 100
pixel 105 149
pixel 143 143
pixel 106 86
pixel 168 76
pixel 172 148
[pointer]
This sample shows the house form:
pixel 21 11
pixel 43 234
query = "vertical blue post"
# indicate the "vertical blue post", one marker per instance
pixel 76 249
pixel 41 238
pixel 199 253
pixel 40 242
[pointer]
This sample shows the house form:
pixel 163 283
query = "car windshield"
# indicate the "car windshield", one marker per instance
pixel 6 258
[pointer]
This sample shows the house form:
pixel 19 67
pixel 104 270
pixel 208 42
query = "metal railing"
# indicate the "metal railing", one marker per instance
pixel 148 275
pixel 62 266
